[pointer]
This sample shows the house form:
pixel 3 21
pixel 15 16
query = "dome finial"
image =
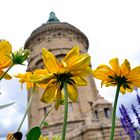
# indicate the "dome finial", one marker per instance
pixel 52 18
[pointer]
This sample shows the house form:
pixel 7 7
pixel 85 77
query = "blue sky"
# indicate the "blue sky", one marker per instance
pixel 112 27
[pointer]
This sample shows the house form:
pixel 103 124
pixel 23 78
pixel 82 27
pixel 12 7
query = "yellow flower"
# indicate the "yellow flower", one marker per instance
pixel 46 138
pixel 125 76
pixel 25 78
pixel 10 137
pixel 43 138
pixel 14 136
pixel 71 70
pixel 5 61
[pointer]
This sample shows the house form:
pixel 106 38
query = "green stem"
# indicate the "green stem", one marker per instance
pixel 6 71
pixel 114 111
pixel 46 116
pixel 65 111
pixel 29 103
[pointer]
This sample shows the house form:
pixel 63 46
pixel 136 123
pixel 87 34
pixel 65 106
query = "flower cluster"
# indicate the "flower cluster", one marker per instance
pixel 59 80
pixel 127 123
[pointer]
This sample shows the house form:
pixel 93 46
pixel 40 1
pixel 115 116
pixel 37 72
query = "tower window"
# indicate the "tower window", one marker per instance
pixel 107 112
pixel 90 103
pixel 38 39
pixel 96 114
pixel 59 34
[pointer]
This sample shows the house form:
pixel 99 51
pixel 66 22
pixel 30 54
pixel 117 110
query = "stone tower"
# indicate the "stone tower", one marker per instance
pixel 90 117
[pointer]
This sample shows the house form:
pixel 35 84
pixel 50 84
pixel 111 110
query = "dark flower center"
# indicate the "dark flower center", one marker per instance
pixel 121 81
pixel 18 135
pixel 64 78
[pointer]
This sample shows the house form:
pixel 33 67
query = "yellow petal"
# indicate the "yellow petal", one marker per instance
pixel 43 80
pixel 49 94
pixel 129 89
pixel 109 83
pixel 72 92
pixel 25 78
pixel 72 55
pixel 80 81
pixel 43 138
pixel 81 63
pixel 50 61
pixel 103 72
pixel 5 50
pixel 59 97
pixel 10 136
pixel 29 85
pixel 6 63
pixel 40 71
pixel 134 75
pixel 41 77
pixel 115 66
pixel 134 72
pixel 7 76
pixel 101 75
pixel 125 67
pixel 122 90
pixel 84 72
pixel 136 83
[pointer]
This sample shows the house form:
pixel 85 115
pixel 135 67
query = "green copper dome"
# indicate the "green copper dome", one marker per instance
pixel 52 18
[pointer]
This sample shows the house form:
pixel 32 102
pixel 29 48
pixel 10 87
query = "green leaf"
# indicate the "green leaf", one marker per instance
pixel 45 124
pixel 34 133
pixel 6 105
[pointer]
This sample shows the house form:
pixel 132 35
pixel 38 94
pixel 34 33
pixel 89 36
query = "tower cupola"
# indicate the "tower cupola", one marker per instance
pixel 53 18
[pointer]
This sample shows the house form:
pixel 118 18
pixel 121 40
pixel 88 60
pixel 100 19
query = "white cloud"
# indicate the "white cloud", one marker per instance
pixel 7 122
pixel 11 116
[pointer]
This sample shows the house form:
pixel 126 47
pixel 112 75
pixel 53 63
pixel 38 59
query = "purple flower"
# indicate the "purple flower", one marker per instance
pixel 127 123
pixel 123 124
pixel 138 99
pixel 136 113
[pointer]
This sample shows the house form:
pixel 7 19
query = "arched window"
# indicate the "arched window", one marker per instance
pixel 96 114
pixel 107 112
